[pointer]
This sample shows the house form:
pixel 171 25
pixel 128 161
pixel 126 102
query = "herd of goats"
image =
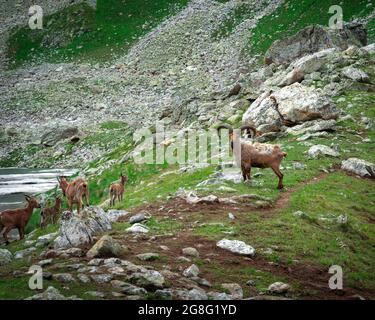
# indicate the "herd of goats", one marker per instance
pixel 250 154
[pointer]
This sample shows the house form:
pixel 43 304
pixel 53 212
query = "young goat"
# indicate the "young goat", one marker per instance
pixel 17 218
pixel 75 191
pixel 51 214
pixel 116 190
pixel 257 155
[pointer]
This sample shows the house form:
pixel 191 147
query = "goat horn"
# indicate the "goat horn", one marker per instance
pixel 225 126
pixel 249 128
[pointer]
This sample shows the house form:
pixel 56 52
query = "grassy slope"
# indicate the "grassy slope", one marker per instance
pixel 293 16
pixel 80 32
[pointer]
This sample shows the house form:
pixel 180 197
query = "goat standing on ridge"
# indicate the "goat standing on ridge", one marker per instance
pixel 257 155
pixel 116 190
pixel 17 218
pixel 75 191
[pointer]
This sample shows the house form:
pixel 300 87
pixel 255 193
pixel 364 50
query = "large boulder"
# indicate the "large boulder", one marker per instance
pixel 313 39
pixel 355 74
pixel 53 136
pixel 106 246
pixel 359 167
pixel 296 104
pixel 51 294
pixel 79 230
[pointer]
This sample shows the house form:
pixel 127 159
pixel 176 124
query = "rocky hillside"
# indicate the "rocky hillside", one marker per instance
pixel 181 228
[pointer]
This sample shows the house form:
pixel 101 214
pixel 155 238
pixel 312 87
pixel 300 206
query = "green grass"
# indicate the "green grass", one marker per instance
pixel 80 32
pixel 293 16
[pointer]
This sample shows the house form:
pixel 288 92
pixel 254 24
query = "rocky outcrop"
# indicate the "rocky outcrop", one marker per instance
pixel 359 167
pixel 295 104
pixel 79 230
pixel 313 39
pixel 106 246
pixel 50 138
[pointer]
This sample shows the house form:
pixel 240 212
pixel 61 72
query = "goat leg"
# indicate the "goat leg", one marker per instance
pixel 5 234
pixel 280 176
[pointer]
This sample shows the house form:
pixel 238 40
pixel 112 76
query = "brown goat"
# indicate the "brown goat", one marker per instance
pixel 51 214
pixel 75 191
pixel 17 218
pixel 257 155
pixel 116 190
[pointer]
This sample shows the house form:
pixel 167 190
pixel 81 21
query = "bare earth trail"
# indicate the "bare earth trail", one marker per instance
pixel 311 279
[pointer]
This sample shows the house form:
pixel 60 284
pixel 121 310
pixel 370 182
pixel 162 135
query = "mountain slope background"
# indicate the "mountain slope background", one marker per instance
pixel 108 68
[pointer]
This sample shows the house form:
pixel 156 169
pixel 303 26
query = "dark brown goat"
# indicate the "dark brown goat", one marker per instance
pixel 17 218
pixel 51 214
pixel 116 190
pixel 75 191
pixel 257 155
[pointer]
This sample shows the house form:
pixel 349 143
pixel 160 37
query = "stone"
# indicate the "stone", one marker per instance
pixel 115 215
pixel 219 295
pixel 50 293
pixel 359 167
pixel 139 217
pixel 58 133
pixel 313 126
pixel 45 262
pixel 83 278
pixel 149 256
pixel 193 294
pixel 236 246
pixel 101 278
pixel 314 39
pixel 190 251
pixel 23 253
pixel 128 288
pixel 235 290
pixel 279 288
pixel 106 246
pixel 148 279
pixel 355 74
pixel 80 230
pixel 63 277
pixel 138 228
pixel 321 150
pixel 95 262
pixel 192 271
pixel 6 257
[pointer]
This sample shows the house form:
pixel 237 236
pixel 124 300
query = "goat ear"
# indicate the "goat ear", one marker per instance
pixel 27 197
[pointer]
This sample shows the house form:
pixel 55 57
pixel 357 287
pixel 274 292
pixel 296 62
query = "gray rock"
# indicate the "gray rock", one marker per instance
pixel 313 126
pixel 114 215
pixel 45 262
pixel 79 230
pixel 50 294
pixel 24 253
pixel 313 39
pixel 139 217
pixel 6 257
pixel 95 294
pixel 138 228
pixel 279 288
pixel 164 294
pixel 235 290
pixel 359 167
pixel 321 150
pixel 148 279
pixel 83 278
pixel 236 246
pixel 193 294
pixel 219 295
pixel 192 271
pixel 59 133
pixel 101 278
pixel 355 74
pixel 128 288
pixel 95 262
pixel 106 246
pixel 63 277
pixel 190 251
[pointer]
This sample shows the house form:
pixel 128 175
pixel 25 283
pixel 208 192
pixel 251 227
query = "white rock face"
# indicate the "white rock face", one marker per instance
pixel 358 166
pixel 192 271
pixel 322 150
pixel 5 257
pixel 114 215
pixel 236 246
pixel 355 74
pixel 138 228
pixel 296 103
pixel 79 230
